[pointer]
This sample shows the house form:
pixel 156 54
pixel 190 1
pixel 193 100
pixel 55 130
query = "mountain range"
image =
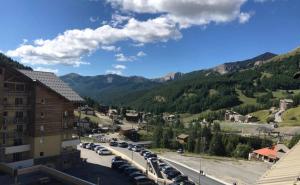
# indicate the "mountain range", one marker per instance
pixel 253 83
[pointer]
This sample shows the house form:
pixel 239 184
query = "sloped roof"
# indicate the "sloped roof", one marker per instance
pixel 285 171
pixel 183 136
pixel 273 152
pixel 54 83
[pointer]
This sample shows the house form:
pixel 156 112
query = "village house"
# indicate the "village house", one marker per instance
pixel 132 116
pixel 286 104
pixel 238 118
pixel 37 119
pixel 182 138
pixel 112 113
pixel 269 154
pixel 87 110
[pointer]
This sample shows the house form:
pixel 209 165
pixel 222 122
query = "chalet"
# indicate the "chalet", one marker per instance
pixel 182 138
pixel 87 110
pixel 37 119
pixel 112 113
pixel 269 154
pixel 286 104
pixel 132 116
pixel 234 116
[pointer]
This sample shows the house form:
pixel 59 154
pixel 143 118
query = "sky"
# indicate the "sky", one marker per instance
pixel 147 38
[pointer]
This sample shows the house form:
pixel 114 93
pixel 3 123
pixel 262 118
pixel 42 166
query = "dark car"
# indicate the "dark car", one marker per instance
pixel 135 174
pixel 122 167
pixel 172 174
pixel 180 178
pixel 113 143
pixel 130 146
pixel 150 156
pixel 83 145
pixel 117 158
pixel 143 151
pixel 117 164
pixel 130 170
pixel 187 182
pixel 142 180
pixel 123 144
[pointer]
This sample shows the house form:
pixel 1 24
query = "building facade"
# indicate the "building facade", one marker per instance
pixel 37 124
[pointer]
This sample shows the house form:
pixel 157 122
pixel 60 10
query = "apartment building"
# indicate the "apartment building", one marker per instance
pixel 37 124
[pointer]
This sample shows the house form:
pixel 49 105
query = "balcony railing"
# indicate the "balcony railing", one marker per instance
pixel 17 149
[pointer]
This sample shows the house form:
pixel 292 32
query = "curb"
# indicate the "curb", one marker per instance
pixel 185 166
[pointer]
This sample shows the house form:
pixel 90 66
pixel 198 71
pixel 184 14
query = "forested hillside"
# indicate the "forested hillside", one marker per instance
pixel 207 89
pixel 109 89
pixel 4 60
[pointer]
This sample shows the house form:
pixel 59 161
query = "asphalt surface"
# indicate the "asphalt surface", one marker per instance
pixel 194 176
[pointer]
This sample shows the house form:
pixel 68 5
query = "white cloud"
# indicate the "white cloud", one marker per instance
pixel 123 58
pixel 117 69
pixel 94 19
pixel 70 47
pixel 46 70
pixel 244 17
pixel 141 54
pixel 118 19
pixel 111 48
pixel 119 66
pixel 186 12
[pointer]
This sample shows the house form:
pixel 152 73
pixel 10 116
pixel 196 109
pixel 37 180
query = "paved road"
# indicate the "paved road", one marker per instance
pixel 194 176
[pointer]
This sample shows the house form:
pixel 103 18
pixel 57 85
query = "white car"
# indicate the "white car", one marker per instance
pixel 104 151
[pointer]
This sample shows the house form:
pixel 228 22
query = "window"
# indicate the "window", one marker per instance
pixel 42 128
pixel 0 71
pixel 5 114
pixel 19 101
pixel 41 140
pixel 41 154
pixel 6 85
pixel 42 101
pixel 3 138
pixel 20 87
pixel 19 114
pixel 5 101
pixel 42 115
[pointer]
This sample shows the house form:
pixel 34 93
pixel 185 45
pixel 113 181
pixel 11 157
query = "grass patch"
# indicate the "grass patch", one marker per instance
pixel 291 117
pixel 93 119
pixel 245 99
pixel 262 115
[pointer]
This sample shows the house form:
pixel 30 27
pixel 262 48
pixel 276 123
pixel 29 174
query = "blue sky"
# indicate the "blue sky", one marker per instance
pixel 144 37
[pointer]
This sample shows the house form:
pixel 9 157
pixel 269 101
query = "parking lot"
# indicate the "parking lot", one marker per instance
pixel 98 167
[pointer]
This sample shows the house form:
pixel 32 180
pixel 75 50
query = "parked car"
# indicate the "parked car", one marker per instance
pixel 180 178
pixel 142 180
pixel 137 148
pixel 130 170
pixel 122 167
pixel 83 145
pixel 166 169
pixel 143 151
pixel 90 146
pixel 98 148
pixel 130 146
pixel 135 174
pixel 117 158
pixel 172 174
pixel 180 151
pixel 123 144
pixel 150 155
pixel 117 164
pixel 161 165
pixel 113 143
pixel 187 182
pixel 152 159
pixel 104 151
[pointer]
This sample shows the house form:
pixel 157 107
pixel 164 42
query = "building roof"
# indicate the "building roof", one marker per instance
pixel 287 100
pixel 54 83
pixel 285 171
pixel 183 136
pixel 275 152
